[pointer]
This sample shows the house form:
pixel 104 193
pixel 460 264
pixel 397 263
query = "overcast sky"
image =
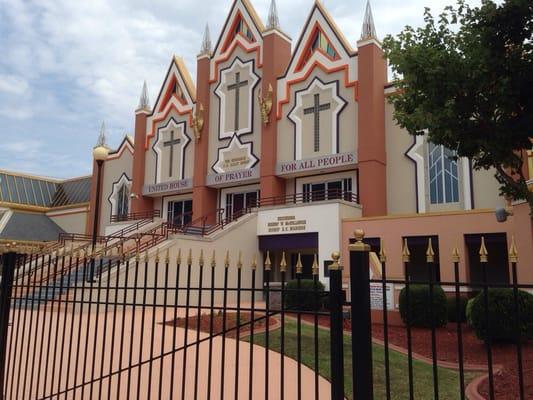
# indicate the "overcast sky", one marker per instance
pixel 65 66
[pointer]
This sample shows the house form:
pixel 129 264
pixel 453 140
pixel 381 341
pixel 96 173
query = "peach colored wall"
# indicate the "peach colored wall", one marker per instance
pixel 372 74
pixel 523 231
pixel 449 227
pixel 141 203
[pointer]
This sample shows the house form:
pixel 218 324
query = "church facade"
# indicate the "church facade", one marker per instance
pixel 291 145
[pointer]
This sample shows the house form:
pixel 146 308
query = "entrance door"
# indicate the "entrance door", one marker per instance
pixel 179 212
pixel 237 202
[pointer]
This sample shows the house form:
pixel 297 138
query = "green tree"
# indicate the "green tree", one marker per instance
pixel 467 80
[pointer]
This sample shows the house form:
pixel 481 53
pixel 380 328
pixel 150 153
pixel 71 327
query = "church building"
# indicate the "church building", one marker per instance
pixel 284 147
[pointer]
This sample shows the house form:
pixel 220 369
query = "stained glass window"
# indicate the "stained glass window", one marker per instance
pixel 443 175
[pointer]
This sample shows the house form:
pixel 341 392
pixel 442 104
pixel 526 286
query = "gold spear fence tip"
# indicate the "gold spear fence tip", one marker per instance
pixel 137 257
pixel 382 254
pixel 513 251
pixel 178 257
pixel 455 255
pixel 201 258
pixel 268 263
pixel 283 263
pixel 314 268
pixel 189 257
pixel 239 260
pixel 157 255
pixel 213 260
pixel 483 253
pixel 335 266
pixel 430 254
pixel 167 256
pixel 146 256
pixel 254 261
pixel 226 260
pixel 406 254
pixel 299 266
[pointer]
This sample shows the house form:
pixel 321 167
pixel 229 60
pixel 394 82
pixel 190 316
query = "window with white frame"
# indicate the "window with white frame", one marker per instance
pixel 443 175
pixel 123 200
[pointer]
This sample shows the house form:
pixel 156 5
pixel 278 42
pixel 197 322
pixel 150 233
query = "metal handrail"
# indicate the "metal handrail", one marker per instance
pixel 151 214
pixel 321 195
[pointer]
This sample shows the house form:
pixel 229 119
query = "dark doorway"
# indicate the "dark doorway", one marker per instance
pixel 497 266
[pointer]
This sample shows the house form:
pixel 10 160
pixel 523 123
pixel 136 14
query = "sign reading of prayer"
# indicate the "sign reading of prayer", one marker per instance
pixel 287 223
pixel 329 161
pixel 231 177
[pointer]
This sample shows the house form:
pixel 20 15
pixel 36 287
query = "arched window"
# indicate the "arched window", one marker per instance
pixel 123 201
pixel 443 175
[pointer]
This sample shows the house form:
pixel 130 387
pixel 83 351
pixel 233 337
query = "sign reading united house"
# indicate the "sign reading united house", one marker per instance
pixel 317 163
pixel 158 189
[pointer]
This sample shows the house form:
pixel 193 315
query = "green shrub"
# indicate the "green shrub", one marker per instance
pixel 305 298
pixel 452 309
pixel 419 311
pixel 501 307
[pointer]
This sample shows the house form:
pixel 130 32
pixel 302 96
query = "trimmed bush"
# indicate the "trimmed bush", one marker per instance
pixel 452 309
pixel 501 307
pixel 305 298
pixel 419 310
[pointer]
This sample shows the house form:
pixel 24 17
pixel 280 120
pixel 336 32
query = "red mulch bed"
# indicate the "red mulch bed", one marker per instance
pixel 474 350
pixel 218 321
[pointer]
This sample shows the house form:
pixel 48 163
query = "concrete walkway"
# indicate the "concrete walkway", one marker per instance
pixel 156 380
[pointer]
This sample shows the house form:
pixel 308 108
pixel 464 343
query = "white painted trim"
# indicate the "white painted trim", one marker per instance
pixel 5 219
pixel 223 134
pixel 334 120
pixel 419 160
pixel 467 187
pixel 78 210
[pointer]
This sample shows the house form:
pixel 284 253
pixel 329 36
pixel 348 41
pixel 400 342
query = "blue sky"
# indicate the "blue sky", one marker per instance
pixel 65 66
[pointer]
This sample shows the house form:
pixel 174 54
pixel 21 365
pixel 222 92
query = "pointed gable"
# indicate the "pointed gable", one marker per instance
pixel 177 93
pixel 321 45
pixel 243 28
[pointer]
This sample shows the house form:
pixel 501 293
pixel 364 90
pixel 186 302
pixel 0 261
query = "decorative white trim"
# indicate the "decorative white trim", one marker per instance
pixel 466 177
pixel 235 144
pixel 124 180
pixel 221 94
pixel 340 103
pixel 5 219
pixel 180 128
pixel 414 154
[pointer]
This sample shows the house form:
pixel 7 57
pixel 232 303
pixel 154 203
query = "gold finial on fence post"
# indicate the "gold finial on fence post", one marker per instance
pixel 157 255
pixel 189 257
pixel 178 257
pixel 167 256
pixel 513 251
pixel 299 266
pixel 406 254
pixel 146 256
pixel 268 263
pixel 382 254
pixel 455 255
pixel 483 253
pixel 314 268
pixel 201 259
pixel 254 262
pixel 430 254
pixel 239 260
pixel 359 245
pixel 213 260
pixel 283 263
pixel 226 260
pixel 335 266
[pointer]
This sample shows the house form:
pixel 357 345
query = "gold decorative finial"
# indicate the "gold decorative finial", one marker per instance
pixel 146 256
pixel 265 104
pixel 198 121
pixel 157 255
pixel 226 260
pixel 359 236
pixel 239 260
pixel 268 263
pixel 213 260
pixel 167 256
pixel 382 255
pixel 430 254
pixel 201 259
pixel 189 257
pixel 314 268
pixel 455 255
pixel 178 257
pixel 283 263
pixel 299 266
pixel 254 262
pixel 513 251
pixel 335 266
pixel 483 253
pixel 406 254
pixel 137 257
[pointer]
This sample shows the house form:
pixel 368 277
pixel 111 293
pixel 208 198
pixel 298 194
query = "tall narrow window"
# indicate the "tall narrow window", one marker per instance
pixel 123 203
pixel 443 175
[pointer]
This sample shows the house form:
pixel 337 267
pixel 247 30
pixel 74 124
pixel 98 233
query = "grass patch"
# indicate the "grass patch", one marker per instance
pixel 423 373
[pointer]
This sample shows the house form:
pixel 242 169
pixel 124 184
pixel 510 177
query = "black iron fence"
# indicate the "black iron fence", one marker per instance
pixel 159 327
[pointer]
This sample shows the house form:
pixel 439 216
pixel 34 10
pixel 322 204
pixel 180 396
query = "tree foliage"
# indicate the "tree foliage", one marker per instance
pixel 466 78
